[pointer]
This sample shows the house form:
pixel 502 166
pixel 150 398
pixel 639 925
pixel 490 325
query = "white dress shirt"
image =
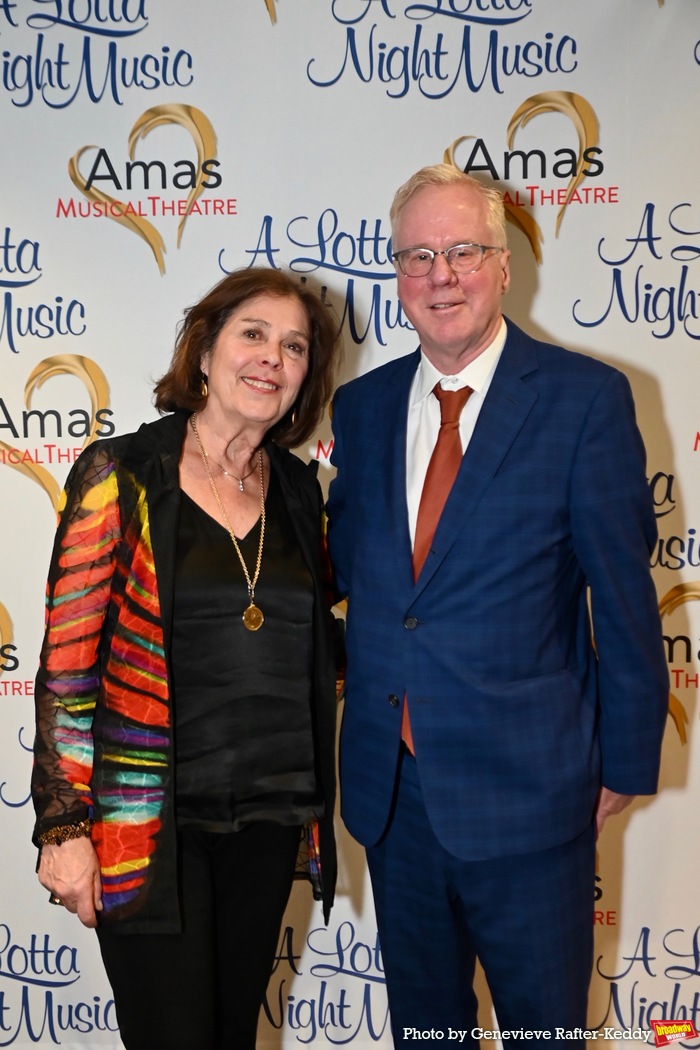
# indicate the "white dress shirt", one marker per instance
pixel 424 414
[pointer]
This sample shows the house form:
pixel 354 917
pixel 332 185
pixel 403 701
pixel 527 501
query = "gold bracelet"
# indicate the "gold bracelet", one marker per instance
pixel 64 833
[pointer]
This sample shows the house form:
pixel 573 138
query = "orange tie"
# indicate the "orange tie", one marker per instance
pixel 439 479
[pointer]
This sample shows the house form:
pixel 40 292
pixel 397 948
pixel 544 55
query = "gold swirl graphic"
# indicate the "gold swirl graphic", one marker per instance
pixel 684 592
pixel 94 381
pixel 6 633
pixel 36 472
pixel 117 209
pixel 270 5
pixel 521 218
pixel 201 132
pixel 83 368
pixel 204 137
pixel 582 116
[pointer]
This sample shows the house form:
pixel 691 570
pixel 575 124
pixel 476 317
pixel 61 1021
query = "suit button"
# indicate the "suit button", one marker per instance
pixel 393 700
pixel 410 623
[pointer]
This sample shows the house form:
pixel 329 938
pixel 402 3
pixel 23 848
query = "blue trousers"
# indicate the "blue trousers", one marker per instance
pixel 528 919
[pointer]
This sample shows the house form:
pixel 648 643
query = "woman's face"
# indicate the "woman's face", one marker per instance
pixel 260 359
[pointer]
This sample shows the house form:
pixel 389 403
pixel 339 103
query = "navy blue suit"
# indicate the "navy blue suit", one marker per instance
pixel 517 720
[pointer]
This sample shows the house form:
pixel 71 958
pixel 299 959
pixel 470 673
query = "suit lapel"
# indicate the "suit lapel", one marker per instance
pixel 390 445
pixel 507 405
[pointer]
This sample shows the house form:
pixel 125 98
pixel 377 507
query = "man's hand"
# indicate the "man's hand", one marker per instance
pixel 609 803
pixel 72 872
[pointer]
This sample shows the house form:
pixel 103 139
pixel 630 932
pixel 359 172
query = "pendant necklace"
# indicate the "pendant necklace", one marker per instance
pixel 230 474
pixel 239 480
pixel 253 618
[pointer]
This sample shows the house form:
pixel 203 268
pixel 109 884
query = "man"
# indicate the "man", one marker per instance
pixel 484 737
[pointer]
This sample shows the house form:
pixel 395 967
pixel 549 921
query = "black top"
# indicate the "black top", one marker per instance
pixel 243 728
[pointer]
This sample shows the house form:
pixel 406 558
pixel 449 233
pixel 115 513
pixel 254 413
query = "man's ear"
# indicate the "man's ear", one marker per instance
pixel 505 268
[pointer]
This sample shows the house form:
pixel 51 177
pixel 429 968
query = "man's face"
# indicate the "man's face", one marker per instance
pixel 456 315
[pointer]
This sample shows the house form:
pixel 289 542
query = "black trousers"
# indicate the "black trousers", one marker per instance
pixel 203 988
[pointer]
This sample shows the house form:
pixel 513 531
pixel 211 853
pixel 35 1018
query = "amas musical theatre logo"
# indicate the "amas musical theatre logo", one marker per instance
pixel 9 659
pixel 39 441
pixel 143 195
pixel 14 688
pixel 13 683
pixel 553 173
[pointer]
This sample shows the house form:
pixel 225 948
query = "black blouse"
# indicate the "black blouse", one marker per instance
pixel 243 729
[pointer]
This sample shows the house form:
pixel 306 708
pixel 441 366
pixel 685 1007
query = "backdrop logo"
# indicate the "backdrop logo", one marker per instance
pixel 636 294
pixel 359 252
pixel 32 463
pixel 42 996
pixel 658 976
pixel 20 267
pixel 8 660
pixel 136 215
pixel 11 685
pixel 349 1001
pixel 441 45
pixel 574 164
pixel 672 551
pixel 85 50
pixel 16 688
pixel 677 596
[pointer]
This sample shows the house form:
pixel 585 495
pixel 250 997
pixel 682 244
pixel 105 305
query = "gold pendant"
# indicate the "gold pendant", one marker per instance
pixel 253 618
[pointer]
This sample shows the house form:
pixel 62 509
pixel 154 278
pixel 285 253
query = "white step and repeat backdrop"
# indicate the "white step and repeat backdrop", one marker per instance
pixel 147 147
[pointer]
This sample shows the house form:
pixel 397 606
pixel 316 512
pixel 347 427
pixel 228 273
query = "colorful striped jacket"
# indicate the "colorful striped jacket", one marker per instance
pixel 104 719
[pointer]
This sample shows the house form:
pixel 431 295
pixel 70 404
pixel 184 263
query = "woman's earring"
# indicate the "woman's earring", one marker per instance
pixel 203 388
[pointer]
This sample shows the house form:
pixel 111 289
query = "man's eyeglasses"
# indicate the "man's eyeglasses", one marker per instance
pixel 463 258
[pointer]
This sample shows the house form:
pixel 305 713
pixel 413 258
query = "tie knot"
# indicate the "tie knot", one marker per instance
pixel 451 402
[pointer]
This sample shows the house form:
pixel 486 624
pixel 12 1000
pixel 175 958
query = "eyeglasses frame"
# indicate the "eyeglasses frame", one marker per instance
pixel 396 256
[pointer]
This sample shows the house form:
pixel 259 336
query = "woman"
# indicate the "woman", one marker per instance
pixel 186 694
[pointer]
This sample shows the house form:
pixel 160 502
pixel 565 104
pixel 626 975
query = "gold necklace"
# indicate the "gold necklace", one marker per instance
pixel 253 618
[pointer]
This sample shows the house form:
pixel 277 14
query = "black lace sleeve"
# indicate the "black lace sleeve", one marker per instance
pixel 68 680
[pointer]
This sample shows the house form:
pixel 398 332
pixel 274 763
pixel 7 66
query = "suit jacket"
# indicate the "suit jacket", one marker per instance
pixel 104 743
pixel 516 719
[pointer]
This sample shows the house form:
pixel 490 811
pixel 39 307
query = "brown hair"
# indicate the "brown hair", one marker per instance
pixel 449 175
pixel 181 386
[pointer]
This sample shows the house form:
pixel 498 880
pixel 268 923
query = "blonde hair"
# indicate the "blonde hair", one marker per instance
pixel 448 175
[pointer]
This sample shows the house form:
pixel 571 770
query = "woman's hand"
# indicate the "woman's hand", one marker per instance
pixel 71 871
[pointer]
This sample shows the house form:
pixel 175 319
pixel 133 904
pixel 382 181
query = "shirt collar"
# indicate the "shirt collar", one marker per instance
pixel 477 374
